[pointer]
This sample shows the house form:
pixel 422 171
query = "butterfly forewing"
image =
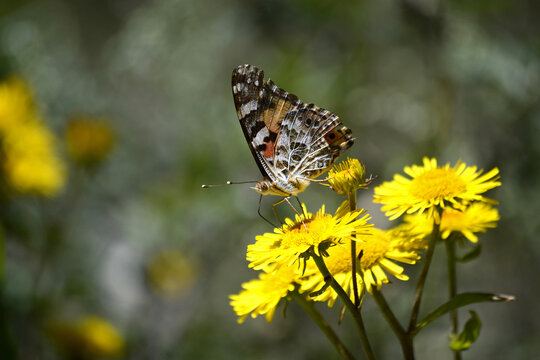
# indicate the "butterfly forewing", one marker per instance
pixel 248 94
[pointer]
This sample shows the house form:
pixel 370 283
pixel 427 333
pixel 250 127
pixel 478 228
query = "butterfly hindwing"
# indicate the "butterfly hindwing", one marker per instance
pixel 310 142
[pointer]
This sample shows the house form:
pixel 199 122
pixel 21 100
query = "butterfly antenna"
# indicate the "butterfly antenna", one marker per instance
pixel 228 183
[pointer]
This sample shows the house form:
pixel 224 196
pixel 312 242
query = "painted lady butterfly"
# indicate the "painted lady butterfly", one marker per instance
pixel 292 143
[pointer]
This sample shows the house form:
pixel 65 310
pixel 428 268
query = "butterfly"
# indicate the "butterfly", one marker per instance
pixel 292 142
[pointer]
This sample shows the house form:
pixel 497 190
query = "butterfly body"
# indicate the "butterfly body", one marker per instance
pixel 292 142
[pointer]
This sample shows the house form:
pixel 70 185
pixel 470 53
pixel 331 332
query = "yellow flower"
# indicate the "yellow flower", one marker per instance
pixel 434 186
pixel 16 104
pixel 379 251
pixel 89 140
pixel 87 338
pixel 339 264
pixel 261 296
pixel 30 163
pixel 347 176
pixel 477 217
pixel 287 244
pixel 170 274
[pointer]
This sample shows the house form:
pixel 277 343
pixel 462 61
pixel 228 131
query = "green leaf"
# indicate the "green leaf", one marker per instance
pixel 470 333
pixel 471 255
pixel 459 301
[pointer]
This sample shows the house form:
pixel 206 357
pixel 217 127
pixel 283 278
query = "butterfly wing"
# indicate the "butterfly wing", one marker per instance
pixel 261 107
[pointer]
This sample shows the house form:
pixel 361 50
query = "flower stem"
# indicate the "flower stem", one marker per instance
pixel 452 286
pixel 357 317
pixel 323 325
pixel 435 234
pixel 405 339
pixel 352 207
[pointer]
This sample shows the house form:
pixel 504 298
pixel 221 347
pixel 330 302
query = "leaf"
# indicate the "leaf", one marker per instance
pixel 459 301
pixel 471 255
pixel 470 333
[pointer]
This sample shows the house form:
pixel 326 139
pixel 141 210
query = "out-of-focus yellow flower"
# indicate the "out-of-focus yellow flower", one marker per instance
pixel 170 274
pixel 30 163
pixel 16 104
pixel 89 337
pixel 89 140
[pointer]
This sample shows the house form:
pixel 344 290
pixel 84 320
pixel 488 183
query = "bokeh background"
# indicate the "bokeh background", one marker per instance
pixel 127 253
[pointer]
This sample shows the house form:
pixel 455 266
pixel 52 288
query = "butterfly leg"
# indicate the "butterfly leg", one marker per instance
pixel 275 212
pixel 261 215
pixel 286 199
pixel 300 204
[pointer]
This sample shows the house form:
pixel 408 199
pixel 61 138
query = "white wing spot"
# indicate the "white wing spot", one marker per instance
pixel 248 107
pixel 257 82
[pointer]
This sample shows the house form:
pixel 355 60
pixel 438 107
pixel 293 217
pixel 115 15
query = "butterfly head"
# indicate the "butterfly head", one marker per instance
pixel 268 187
pixel 284 188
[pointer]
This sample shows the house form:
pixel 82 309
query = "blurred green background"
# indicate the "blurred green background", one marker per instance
pixel 136 242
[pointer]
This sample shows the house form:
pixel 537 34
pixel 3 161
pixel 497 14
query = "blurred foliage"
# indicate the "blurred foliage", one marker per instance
pixel 453 80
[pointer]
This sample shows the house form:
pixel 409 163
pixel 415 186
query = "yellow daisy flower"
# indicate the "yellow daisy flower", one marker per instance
pixel 434 186
pixel 261 296
pixel 379 253
pixel 339 264
pixel 347 176
pixel 477 217
pixel 286 244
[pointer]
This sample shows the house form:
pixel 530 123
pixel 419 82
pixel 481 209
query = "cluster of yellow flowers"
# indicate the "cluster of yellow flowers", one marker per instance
pixel 29 160
pixel 449 196
pixel 28 149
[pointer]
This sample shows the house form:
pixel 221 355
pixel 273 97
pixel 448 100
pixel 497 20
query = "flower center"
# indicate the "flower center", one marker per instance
pixel 339 260
pixel 437 183
pixel 452 219
pixel 318 230
pixel 374 248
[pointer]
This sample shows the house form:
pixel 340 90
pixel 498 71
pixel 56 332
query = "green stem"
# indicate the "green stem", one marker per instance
pixel 357 317
pixel 405 339
pixel 323 325
pixel 423 275
pixel 352 207
pixel 452 286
